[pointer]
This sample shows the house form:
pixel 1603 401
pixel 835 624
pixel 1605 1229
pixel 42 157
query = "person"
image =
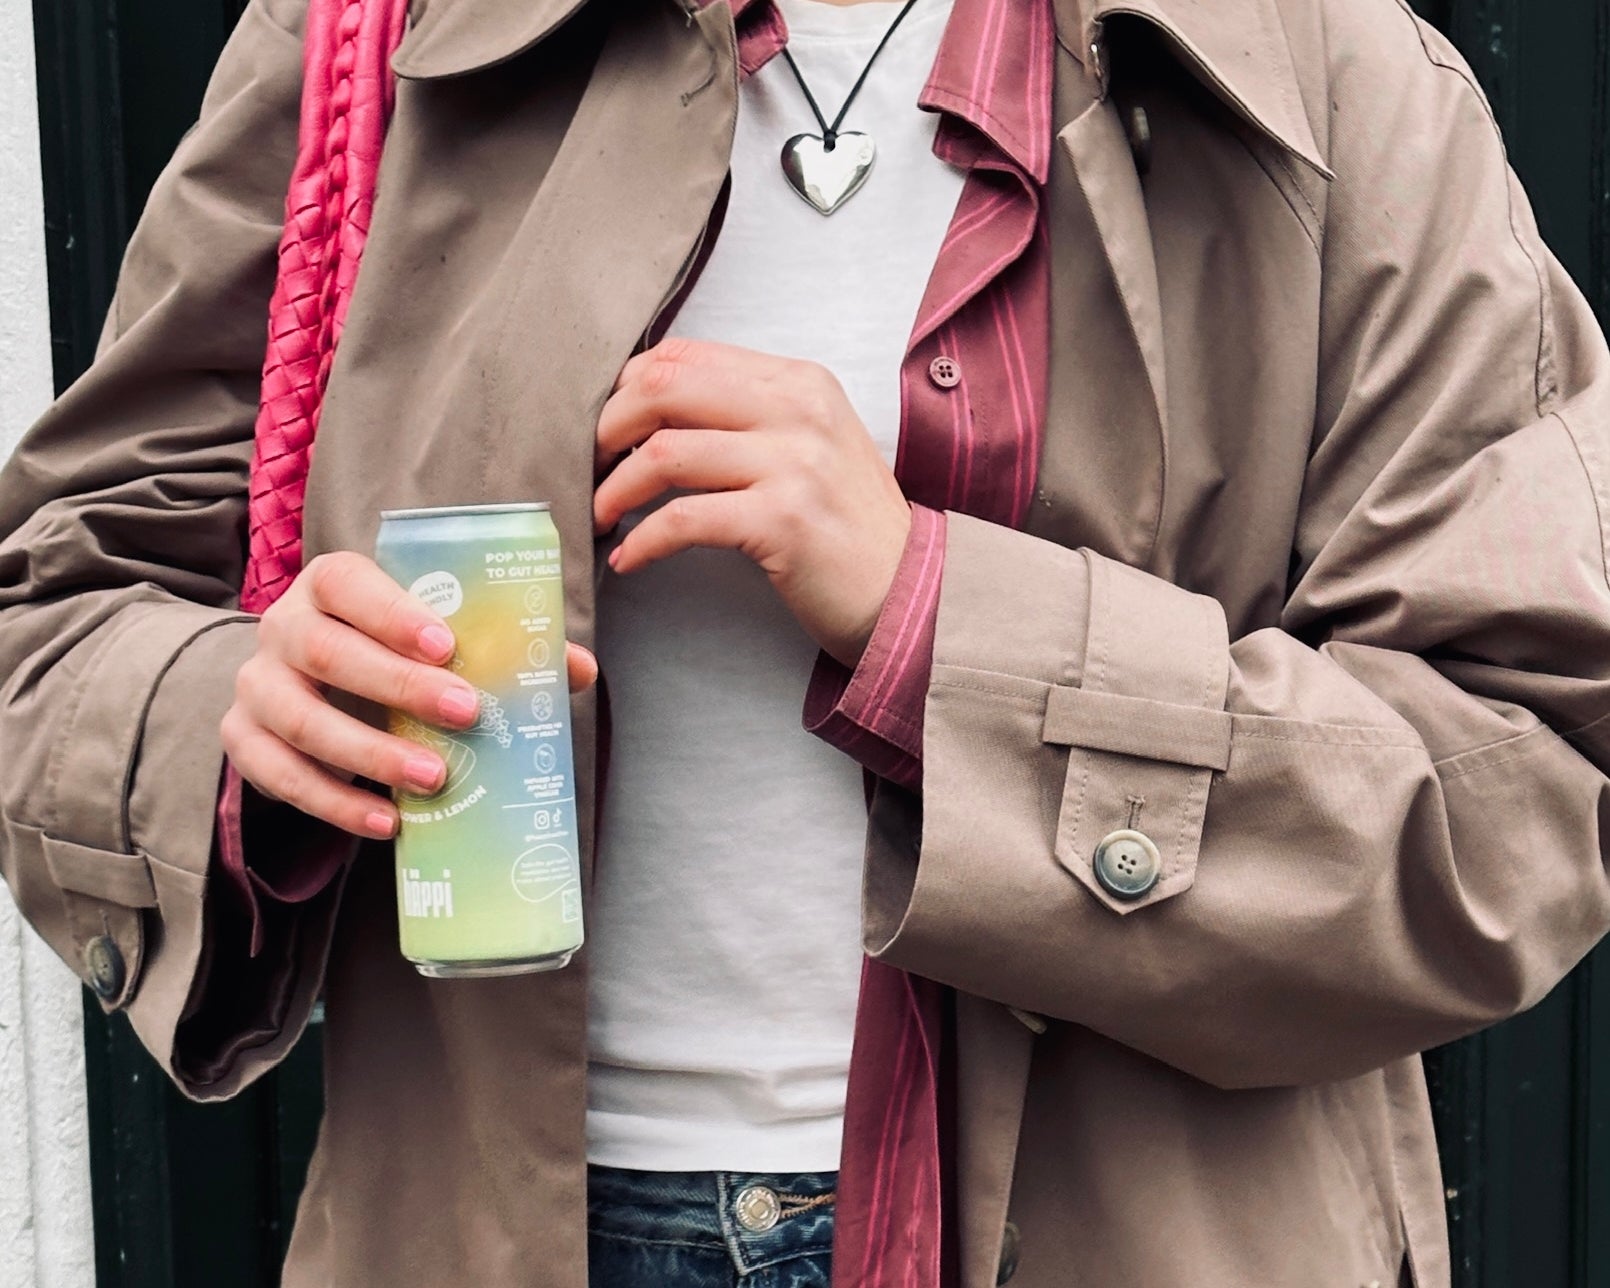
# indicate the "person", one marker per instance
pixel 1173 478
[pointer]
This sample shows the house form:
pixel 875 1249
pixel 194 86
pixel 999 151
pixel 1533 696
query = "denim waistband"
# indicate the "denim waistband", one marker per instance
pixel 759 1218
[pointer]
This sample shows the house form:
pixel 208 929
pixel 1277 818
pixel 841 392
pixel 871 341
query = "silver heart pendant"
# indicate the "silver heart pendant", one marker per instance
pixel 828 179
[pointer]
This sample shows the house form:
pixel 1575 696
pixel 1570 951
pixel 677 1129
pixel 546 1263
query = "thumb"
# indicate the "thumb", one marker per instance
pixel 583 667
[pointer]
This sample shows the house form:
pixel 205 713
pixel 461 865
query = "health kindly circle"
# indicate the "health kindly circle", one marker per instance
pixel 440 590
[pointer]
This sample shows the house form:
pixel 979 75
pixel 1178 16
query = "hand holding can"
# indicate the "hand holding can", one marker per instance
pixel 344 624
pixel 488 859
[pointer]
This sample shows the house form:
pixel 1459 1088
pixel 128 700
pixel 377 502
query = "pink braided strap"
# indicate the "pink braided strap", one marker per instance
pixel 348 92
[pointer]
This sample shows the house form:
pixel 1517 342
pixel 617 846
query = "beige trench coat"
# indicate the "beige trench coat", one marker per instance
pixel 1317 572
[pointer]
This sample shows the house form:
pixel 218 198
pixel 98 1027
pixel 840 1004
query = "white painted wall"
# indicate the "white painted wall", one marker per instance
pixel 46 1239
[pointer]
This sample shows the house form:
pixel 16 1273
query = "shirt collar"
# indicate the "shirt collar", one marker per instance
pixel 992 72
pixel 762 33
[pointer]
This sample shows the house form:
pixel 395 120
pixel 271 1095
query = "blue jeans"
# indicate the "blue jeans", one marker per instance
pixel 709 1229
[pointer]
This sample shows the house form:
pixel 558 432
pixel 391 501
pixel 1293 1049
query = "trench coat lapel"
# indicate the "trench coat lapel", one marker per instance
pixel 1104 461
pixel 595 254
pixel 1104 470
pixel 619 213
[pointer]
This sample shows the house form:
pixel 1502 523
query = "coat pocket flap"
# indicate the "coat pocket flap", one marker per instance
pixel 121 879
pixel 1147 730
pixel 1111 804
pixel 1193 736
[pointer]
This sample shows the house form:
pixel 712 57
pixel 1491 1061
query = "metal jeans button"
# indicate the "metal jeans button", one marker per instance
pixel 758 1208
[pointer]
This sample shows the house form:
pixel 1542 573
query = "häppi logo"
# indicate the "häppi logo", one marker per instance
pixel 421 898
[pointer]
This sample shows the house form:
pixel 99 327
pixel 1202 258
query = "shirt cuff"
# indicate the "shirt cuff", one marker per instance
pixel 875 712
pixel 274 851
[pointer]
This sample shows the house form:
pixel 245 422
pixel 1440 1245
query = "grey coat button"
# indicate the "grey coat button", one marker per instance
pixel 1138 126
pixel 758 1208
pixel 103 963
pixel 1128 864
pixel 1011 1247
pixel 945 372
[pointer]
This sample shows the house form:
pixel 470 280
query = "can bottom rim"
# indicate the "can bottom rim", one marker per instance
pixel 494 969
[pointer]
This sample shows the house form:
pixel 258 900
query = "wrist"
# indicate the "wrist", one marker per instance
pixel 893 555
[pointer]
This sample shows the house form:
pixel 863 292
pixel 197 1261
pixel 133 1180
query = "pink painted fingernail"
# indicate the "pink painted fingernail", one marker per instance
pixel 459 706
pixel 423 771
pixel 382 825
pixel 437 641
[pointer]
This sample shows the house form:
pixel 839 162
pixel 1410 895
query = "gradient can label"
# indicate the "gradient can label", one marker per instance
pixel 488 871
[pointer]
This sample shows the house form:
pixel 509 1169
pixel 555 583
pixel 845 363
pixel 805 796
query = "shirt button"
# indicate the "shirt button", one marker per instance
pixel 1128 864
pixel 103 963
pixel 758 1208
pixel 945 372
pixel 1011 1247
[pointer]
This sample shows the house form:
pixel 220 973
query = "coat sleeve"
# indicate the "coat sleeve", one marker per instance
pixel 1381 823
pixel 122 517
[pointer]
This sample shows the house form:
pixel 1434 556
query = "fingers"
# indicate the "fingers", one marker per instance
pixel 677 385
pixel 289 742
pixel 289 707
pixel 703 459
pixel 669 394
pixel 705 353
pixel 335 653
pixel 282 773
pixel 583 668
pixel 355 590
pixel 726 520
pixel 349 626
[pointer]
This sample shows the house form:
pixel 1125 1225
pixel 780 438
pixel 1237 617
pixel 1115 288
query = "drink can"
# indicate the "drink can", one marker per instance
pixel 488 870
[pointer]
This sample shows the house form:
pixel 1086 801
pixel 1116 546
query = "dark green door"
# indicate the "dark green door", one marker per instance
pixel 184 1197
pixel 195 1198
pixel 1523 1111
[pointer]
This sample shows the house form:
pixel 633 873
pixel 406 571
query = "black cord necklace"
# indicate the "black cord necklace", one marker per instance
pixel 816 167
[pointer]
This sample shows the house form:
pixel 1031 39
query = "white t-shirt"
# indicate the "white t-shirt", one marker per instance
pixel 725 935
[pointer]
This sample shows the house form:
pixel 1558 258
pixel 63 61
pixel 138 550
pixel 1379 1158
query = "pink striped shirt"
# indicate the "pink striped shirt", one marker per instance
pixel 973 383
pixel 973 389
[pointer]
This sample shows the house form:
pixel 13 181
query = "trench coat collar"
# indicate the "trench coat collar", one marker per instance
pixel 449 38
pixel 1238 48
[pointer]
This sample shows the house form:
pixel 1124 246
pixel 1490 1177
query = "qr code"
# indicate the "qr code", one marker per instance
pixel 570 905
